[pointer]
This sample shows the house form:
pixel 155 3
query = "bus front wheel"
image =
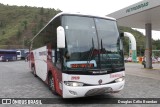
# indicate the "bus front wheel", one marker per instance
pixel 51 84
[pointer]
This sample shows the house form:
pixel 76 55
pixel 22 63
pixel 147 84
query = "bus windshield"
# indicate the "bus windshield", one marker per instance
pixel 92 43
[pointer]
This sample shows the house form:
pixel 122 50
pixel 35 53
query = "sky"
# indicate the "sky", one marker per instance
pixel 99 7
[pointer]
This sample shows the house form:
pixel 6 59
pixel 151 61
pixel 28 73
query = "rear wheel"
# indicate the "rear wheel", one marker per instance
pixel 51 84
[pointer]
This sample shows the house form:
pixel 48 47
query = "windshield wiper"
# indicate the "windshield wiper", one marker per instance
pixel 90 55
pixel 105 52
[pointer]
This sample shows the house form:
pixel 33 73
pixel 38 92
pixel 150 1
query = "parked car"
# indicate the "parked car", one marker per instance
pixel 129 59
pixel 154 60
pixel 158 59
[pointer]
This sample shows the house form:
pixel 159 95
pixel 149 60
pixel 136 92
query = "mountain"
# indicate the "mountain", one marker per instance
pixel 19 24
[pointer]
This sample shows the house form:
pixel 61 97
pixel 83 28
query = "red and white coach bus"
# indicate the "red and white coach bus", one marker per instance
pixel 79 55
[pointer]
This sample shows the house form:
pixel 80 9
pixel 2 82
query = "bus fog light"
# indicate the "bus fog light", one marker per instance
pixel 73 84
pixel 73 92
pixel 119 79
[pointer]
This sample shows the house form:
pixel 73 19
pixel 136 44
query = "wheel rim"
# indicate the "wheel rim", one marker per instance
pixel 51 83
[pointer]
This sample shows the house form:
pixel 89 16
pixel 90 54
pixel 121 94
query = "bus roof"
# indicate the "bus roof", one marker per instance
pixel 81 14
pixel 77 14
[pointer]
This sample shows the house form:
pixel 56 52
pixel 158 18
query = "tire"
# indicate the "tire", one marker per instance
pixel 51 84
pixel 34 71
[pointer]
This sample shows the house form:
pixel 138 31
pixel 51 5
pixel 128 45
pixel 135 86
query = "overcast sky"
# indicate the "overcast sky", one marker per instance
pixel 100 7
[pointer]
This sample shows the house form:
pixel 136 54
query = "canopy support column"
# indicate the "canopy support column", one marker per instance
pixel 148 50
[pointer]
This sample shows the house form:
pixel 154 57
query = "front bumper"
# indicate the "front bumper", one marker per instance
pixel 84 91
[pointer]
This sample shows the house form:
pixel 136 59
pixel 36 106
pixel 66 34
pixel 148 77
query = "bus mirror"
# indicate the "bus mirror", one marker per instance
pixel 122 34
pixel 60 37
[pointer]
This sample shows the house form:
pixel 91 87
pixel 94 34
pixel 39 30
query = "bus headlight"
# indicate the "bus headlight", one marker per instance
pixel 119 79
pixel 73 84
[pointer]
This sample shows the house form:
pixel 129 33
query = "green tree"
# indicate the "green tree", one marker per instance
pixel 24 23
pixel 3 32
pixel 2 23
pixel 34 31
pixel 41 22
pixel 18 34
pixel 41 11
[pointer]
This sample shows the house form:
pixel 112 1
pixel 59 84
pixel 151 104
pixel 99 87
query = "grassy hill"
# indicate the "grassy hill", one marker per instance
pixel 19 24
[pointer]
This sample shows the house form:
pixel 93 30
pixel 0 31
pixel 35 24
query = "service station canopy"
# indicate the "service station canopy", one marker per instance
pixel 139 14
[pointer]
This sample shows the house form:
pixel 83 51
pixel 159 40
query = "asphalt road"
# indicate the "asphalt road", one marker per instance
pixel 17 81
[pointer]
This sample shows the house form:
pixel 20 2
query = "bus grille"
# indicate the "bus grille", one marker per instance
pixel 98 91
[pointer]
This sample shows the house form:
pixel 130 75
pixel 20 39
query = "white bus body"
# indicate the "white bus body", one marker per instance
pixel 80 67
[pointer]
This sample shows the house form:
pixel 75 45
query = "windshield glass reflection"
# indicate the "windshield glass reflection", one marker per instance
pixel 92 43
